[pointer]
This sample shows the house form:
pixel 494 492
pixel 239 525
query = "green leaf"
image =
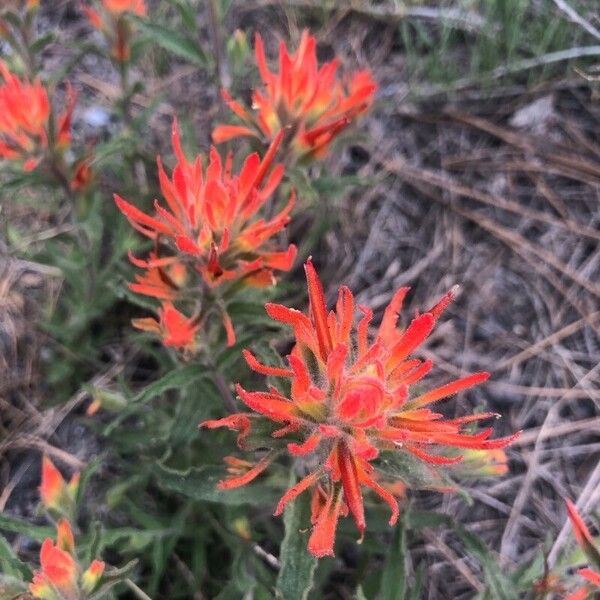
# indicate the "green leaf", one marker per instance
pixel 174 42
pixel 10 564
pixel 201 484
pixel 175 379
pixel 393 578
pixel 296 577
pixel 35 532
pixel 187 12
pixel 500 585
pixel 11 588
pixel 413 472
pixel 40 43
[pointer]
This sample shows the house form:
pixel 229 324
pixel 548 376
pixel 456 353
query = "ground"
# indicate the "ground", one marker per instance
pixel 461 174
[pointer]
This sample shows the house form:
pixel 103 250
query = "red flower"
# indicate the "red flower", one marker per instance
pixel 586 541
pixel 350 399
pixel 58 568
pixel 311 102
pixel 24 120
pixel 173 327
pixel 24 114
pixel 212 224
pixel 163 279
pixel 56 494
pixel 59 573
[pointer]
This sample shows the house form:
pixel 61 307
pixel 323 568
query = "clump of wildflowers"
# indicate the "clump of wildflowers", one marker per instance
pixel 209 235
pixel 352 399
pixel 310 102
pixel 27 130
pixel 61 576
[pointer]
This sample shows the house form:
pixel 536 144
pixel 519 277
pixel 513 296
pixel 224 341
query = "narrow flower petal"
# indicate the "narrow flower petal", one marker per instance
pixel 259 367
pixel 318 309
pixel 296 490
pixel 449 389
pixel 247 477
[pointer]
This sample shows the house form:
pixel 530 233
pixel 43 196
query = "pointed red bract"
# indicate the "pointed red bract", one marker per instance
pixel 174 328
pixel 350 399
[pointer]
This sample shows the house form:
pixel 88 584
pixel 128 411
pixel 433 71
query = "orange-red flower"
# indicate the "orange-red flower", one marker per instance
pixel 163 278
pixel 173 327
pixel 24 114
pixel 350 400
pixel 311 102
pixel 56 494
pixel 59 576
pixel 211 224
pixel 24 119
pixel 588 545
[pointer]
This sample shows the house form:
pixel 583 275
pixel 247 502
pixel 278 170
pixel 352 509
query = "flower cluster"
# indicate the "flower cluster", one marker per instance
pixel 210 230
pixel 311 103
pixel 352 400
pixel 25 120
pixel 111 20
pixel 592 552
pixel 61 576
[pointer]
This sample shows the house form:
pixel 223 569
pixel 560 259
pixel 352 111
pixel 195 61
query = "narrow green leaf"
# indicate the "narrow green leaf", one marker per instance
pixel 10 564
pixel 393 578
pixel 175 379
pixel 296 577
pixel 201 484
pixel 35 532
pixel 187 12
pixel 500 585
pixel 174 42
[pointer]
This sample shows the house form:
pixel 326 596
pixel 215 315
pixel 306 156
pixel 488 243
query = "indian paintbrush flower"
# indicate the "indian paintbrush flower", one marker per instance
pixel 352 399
pixel 56 494
pixel 310 102
pixel 25 120
pixel 60 576
pixel 590 548
pixel 210 229
pixel 174 328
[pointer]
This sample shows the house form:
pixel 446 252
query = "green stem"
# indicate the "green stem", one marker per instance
pixel 126 97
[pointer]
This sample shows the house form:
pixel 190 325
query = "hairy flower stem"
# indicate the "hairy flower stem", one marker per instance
pixel 125 92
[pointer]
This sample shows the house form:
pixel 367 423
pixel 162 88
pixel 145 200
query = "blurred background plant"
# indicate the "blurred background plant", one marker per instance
pixel 478 166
